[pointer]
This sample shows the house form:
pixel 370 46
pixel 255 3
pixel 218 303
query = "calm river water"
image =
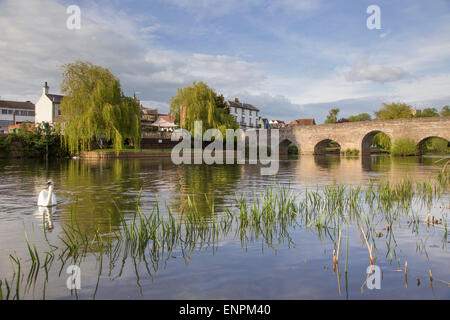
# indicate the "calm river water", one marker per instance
pixel 229 269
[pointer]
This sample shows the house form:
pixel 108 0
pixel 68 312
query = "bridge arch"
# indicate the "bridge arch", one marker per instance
pixel 422 143
pixel 321 147
pixel 285 144
pixel 367 140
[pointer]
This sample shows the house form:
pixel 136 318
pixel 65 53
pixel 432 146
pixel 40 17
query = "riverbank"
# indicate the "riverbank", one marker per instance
pixel 142 154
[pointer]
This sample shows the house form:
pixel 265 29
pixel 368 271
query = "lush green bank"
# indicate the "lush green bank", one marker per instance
pixel 34 142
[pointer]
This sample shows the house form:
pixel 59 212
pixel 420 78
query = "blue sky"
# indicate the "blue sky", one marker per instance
pixel 291 58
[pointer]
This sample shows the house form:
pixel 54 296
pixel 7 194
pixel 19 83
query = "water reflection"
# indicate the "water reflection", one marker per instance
pixel 93 192
pixel 45 214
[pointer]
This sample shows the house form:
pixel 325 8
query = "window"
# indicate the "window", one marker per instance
pixel 4 111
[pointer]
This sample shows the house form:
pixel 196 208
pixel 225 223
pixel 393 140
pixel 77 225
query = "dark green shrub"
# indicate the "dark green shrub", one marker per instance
pixel 404 147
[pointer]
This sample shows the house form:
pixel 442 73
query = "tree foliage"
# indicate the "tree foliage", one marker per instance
pixel 445 112
pixel 383 141
pixel 33 142
pixel 202 104
pixel 332 116
pixel 360 117
pixel 94 106
pixel 436 145
pixel 427 113
pixel 404 146
pixel 394 111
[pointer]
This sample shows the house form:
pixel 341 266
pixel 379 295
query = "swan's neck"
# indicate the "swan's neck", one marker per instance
pixel 49 195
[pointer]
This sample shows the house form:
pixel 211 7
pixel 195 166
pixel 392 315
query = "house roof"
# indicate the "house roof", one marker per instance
pixel 167 117
pixel 149 111
pixel 163 123
pixel 56 98
pixel 303 122
pixel 242 105
pixel 27 105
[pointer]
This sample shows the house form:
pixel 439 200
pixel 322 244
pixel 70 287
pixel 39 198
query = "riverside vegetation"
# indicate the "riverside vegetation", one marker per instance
pixel 150 240
pixel 33 142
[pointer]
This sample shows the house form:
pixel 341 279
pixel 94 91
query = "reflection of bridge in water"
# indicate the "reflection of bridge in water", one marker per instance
pixel 359 135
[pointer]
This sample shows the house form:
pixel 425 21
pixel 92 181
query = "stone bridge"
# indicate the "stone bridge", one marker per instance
pixel 359 135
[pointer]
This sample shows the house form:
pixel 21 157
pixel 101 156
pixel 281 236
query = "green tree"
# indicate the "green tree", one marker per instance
pixel 445 112
pixel 332 116
pixel 33 141
pixel 404 146
pixel 360 117
pixel 394 111
pixel 383 141
pixel 94 106
pixel 436 145
pixel 202 104
pixel 428 112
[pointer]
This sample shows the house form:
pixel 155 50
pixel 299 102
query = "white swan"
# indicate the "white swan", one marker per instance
pixel 47 197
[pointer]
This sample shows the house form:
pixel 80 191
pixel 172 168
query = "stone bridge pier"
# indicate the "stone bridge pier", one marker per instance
pixel 359 135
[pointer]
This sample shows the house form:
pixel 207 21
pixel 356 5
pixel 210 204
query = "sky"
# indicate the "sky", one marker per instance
pixel 290 58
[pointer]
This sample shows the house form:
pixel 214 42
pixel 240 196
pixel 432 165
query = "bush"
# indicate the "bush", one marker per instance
pixel 404 147
pixel 436 145
pixel 292 149
pixel 351 152
pixel 33 143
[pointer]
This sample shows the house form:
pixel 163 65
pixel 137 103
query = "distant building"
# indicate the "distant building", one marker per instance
pixel 277 124
pixel 148 117
pixel 263 123
pixel 246 115
pixel 48 106
pixel 165 122
pixel 15 113
pixel 303 122
pixel 28 126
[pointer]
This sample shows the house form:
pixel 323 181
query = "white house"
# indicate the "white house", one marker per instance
pixel 246 114
pixel 14 113
pixel 48 106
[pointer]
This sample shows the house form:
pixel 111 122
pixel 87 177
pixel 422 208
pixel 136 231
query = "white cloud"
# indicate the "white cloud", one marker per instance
pixel 38 43
pixel 35 41
pixel 363 71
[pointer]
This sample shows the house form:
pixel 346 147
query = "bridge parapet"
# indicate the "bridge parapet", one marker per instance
pixel 359 135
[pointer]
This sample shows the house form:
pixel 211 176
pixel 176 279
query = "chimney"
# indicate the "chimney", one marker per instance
pixel 136 99
pixel 45 88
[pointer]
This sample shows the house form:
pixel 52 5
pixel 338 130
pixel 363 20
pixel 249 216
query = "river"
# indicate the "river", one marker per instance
pixel 94 192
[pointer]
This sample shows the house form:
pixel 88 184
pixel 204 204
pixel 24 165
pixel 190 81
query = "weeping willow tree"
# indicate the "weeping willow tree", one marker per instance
pixel 202 104
pixel 382 140
pixel 95 107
